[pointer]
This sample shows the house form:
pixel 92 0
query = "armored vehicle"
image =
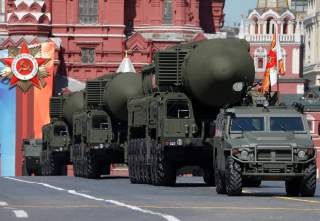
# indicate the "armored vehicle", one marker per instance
pixel 263 143
pixel 171 126
pixel 100 130
pixel 56 135
pixel 31 157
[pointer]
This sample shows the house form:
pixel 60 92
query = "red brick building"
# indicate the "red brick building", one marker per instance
pixel 91 37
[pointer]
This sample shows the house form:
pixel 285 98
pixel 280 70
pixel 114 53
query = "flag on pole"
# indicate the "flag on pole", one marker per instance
pixel 275 65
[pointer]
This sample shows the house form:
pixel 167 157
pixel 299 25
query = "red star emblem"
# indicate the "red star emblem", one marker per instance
pixel 24 67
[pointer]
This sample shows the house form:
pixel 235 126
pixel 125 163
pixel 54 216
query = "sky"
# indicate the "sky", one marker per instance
pixel 234 8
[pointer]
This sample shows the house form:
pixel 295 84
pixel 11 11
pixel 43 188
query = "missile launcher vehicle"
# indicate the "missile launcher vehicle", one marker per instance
pixel 31 149
pixel 172 124
pixel 100 130
pixel 56 136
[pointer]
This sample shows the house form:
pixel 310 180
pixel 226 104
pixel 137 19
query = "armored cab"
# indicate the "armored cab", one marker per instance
pixel 31 157
pixel 57 134
pixel 100 131
pixel 172 125
pixel 264 143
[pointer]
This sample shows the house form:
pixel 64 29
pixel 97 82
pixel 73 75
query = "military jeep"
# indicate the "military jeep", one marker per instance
pixel 263 143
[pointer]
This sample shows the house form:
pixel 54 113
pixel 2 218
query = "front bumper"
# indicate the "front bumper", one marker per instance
pixel 274 163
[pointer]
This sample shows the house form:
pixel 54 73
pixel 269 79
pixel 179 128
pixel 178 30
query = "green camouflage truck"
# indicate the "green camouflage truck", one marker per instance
pixel 263 143
pixel 31 149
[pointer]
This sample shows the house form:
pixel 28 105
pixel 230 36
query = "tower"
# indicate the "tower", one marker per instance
pixel 268 18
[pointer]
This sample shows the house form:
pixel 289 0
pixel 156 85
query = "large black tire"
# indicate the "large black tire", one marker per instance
pixel 165 171
pixel 309 181
pixel 220 182
pixel 209 176
pixel 92 169
pixel 153 166
pixel 25 171
pixel 293 186
pixel 233 177
pixel 251 181
pixel 131 162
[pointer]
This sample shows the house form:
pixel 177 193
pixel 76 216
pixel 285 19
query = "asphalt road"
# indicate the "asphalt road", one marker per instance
pixel 114 198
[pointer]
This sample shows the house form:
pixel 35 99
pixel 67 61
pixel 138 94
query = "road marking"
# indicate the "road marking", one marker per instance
pixel 296 199
pixel 113 202
pixel 20 214
pixel 236 208
pixel 3 203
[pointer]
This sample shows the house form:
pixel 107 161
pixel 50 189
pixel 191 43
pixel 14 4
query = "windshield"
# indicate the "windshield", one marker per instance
pixel 60 131
pixel 286 124
pixel 100 122
pixel 178 109
pixel 240 124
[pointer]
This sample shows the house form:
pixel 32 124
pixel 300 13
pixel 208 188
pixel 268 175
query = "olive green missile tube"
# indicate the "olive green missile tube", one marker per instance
pixel 73 103
pixel 117 92
pixel 217 70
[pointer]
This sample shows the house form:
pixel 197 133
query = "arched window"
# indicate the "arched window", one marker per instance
pixel 284 58
pixel 167 11
pixel 285 26
pixel 88 11
pixel 270 26
pixel 256 26
pixel 260 59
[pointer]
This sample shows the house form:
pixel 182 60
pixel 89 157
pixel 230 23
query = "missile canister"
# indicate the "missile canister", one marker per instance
pixel 117 92
pixel 73 102
pixel 216 71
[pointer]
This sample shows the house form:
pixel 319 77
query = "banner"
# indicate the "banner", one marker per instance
pixel 42 97
pixel 8 124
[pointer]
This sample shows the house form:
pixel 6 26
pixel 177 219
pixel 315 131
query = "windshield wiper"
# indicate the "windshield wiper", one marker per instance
pixel 283 128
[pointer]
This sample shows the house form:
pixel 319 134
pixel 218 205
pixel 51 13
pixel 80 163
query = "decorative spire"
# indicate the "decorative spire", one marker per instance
pixel 126 64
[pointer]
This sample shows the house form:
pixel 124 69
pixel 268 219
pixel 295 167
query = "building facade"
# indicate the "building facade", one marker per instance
pixel 268 18
pixel 91 37
pixel 312 38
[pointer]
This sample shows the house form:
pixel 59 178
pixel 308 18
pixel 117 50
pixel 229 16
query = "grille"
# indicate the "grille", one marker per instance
pixel 168 67
pixel 56 107
pixel 274 155
pixel 94 93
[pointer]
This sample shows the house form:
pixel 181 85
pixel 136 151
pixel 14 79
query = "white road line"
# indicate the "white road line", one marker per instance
pixel 3 203
pixel 117 203
pixel 20 214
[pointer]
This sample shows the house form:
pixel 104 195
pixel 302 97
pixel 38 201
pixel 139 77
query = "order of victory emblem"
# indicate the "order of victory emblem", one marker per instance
pixel 25 68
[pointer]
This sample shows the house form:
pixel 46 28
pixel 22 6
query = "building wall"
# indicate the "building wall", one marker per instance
pixel 312 39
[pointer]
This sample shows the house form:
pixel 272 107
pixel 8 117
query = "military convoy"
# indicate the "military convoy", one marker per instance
pixel 31 149
pixel 180 111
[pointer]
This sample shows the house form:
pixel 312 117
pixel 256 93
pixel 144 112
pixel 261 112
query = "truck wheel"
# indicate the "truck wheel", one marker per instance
pixel 131 163
pixel 292 186
pixel 24 169
pixel 233 177
pixel 220 182
pixel 251 181
pixel 166 173
pixel 92 169
pixel 153 165
pixel 309 181
pixel 208 176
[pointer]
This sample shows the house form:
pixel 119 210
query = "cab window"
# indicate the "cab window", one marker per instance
pixel 286 124
pixel 177 109
pixel 247 124
pixel 100 123
pixel 60 131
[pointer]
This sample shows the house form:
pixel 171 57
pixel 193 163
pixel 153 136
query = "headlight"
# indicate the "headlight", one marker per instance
pixel 179 142
pixel 302 155
pixel 244 155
